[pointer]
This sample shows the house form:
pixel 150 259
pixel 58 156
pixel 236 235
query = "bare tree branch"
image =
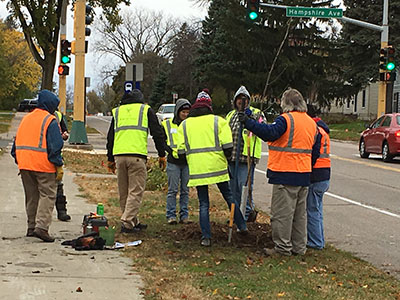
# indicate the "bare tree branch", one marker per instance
pixel 140 32
pixel 276 58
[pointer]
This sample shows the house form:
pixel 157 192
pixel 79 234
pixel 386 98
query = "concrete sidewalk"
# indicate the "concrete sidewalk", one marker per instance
pixel 31 269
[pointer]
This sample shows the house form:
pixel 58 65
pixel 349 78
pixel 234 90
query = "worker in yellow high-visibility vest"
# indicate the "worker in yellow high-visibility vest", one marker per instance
pixel 177 168
pixel 244 145
pixel 127 144
pixel 206 140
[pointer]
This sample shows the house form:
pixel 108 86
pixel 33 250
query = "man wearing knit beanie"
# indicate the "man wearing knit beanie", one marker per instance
pixel 203 100
pixel 206 140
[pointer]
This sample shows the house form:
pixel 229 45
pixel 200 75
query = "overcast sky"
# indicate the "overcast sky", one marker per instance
pixel 182 9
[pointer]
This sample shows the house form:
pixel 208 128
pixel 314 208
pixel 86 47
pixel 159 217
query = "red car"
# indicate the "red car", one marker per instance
pixel 382 137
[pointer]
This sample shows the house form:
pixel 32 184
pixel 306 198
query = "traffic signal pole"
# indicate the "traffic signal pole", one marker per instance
pixel 62 79
pixel 78 132
pixel 382 99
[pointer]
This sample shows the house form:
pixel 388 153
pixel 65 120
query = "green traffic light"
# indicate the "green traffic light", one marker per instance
pixel 390 66
pixel 253 15
pixel 65 59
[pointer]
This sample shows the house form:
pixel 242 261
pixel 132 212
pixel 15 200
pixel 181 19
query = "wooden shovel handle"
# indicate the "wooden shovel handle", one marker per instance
pixel 231 214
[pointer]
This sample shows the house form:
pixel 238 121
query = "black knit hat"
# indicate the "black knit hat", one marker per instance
pixel 134 95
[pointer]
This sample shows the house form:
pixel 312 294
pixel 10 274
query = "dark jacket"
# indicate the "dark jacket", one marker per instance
pixel 155 131
pixel 49 102
pixel 272 132
pixel 320 174
pixel 176 120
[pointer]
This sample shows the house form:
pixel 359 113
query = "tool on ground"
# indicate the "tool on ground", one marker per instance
pixel 232 213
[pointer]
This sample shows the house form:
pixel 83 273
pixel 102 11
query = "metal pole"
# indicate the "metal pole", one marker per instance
pixel 62 79
pixel 384 43
pixel 78 131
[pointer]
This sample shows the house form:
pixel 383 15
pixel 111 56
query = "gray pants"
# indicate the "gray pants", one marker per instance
pixel 131 175
pixel 40 196
pixel 289 218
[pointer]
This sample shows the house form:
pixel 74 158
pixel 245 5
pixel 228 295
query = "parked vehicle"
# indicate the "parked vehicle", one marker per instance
pixel 382 137
pixel 27 105
pixel 166 111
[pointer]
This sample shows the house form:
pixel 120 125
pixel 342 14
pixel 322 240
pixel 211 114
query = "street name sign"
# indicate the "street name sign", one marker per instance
pixel 311 12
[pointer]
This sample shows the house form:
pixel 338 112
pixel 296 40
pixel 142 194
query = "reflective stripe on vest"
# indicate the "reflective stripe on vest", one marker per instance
pixel 203 139
pixel 253 139
pixel 58 116
pixel 324 160
pixel 292 151
pixel 206 149
pixel 140 122
pixel 32 155
pixel 289 147
pixel 130 129
pixel 167 125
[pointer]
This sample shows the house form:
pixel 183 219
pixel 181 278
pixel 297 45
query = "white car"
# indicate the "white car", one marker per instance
pixel 166 111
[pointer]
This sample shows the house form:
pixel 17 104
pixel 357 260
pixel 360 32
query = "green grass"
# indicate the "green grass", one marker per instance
pixel 5 121
pixel 347 131
pixel 173 265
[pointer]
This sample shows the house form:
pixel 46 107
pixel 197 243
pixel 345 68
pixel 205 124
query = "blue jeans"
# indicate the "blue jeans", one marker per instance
pixel 177 174
pixel 236 184
pixel 204 201
pixel 315 224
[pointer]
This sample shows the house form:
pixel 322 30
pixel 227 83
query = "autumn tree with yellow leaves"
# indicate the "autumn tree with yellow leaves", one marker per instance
pixel 20 74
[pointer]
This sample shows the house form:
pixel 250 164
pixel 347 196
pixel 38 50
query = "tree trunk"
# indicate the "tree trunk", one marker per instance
pixel 48 71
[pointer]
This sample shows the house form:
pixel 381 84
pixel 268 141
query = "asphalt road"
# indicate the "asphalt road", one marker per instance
pixel 361 208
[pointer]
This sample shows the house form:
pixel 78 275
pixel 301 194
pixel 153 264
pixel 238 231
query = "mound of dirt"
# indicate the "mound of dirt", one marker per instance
pixel 258 237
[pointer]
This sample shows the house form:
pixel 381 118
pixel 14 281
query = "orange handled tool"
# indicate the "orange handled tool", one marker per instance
pixel 231 222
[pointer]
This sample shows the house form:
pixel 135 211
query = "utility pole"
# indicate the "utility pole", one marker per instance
pixel 78 132
pixel 62 80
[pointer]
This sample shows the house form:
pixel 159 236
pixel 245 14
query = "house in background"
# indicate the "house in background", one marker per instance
pixel 365 103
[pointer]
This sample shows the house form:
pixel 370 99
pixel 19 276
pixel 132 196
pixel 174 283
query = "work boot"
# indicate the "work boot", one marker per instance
pixel 205 242
pixel 61 206
pixel 43 235
pixel 172 221
pixel 29 232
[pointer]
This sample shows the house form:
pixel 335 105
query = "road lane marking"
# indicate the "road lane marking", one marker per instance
pixel 367 164
pixel 385 212
pixel 382 211
pixel 356 161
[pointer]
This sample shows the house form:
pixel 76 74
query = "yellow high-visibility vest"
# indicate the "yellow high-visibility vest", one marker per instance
pixel 253 139
pixel 130 129
pixel 171 129
pixel 203 140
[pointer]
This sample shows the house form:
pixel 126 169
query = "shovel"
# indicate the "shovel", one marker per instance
pixel 231 222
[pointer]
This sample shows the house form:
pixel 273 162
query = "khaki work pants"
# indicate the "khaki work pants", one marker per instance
pixel 131 174
pixel 40 196
pixel 289 218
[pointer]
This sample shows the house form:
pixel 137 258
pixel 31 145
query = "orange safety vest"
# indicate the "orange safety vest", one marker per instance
pixel 31 143
pixel 292 151
pixel 324 161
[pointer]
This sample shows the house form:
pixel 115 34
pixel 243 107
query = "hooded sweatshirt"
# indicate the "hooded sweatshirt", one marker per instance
pixel 180 104
pixel 235 126
pixel 49 101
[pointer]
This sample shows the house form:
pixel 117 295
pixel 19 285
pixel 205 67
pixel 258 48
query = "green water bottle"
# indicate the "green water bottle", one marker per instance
pixel 100 209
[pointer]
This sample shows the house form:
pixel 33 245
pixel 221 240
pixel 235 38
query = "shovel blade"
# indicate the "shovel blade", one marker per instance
pixel 243 200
